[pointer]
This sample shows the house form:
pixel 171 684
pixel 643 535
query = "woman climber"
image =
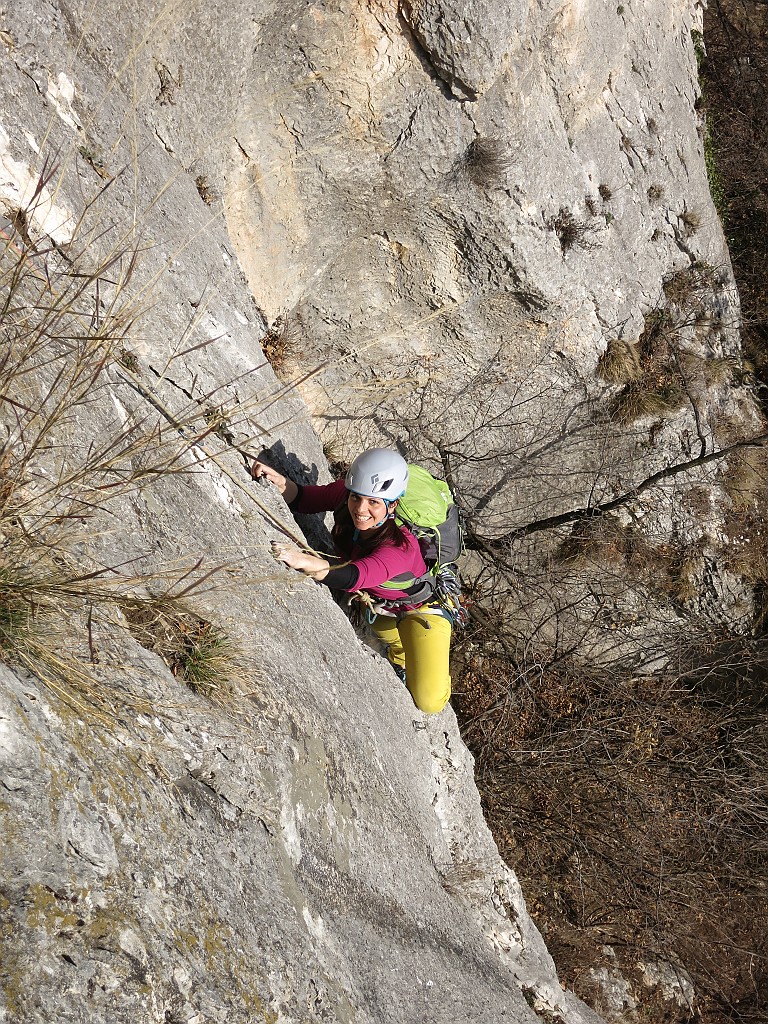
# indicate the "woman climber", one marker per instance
pixel 380 560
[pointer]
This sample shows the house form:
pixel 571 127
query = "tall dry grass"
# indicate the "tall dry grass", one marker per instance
pixel 68 313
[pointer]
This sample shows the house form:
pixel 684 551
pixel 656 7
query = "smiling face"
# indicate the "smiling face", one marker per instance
pixel 367 513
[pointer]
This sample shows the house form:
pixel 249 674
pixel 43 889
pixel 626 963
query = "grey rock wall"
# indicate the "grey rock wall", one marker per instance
pixel 176 863
pixel 309 848
pixel 395 181
pixel 455 209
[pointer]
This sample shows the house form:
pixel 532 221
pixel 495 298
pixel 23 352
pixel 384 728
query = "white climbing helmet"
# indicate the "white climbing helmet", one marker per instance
pixel 378 473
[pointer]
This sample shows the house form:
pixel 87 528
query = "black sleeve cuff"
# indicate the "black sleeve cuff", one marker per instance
pixel 343 578
pixel 297 500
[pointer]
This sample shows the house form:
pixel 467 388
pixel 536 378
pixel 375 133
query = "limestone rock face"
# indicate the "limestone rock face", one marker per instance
pixel 175 863
pixel 466 43
pixel 305 846
pixel 453 207
pixel 457 211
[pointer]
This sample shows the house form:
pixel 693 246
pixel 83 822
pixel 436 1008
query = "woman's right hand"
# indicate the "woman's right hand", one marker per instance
pixel 261 471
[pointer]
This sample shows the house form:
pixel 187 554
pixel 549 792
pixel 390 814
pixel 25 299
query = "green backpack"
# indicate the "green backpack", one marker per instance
pixel 428 510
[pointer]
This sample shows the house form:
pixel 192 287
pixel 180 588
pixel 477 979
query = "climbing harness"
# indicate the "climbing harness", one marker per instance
pixel 444 599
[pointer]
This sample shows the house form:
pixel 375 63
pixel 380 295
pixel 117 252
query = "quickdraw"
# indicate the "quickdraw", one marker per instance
pixel 448 593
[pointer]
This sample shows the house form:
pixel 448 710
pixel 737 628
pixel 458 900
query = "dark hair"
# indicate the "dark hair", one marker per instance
pixel 368 541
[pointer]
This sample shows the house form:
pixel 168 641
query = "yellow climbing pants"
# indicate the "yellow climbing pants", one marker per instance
pixel 419 642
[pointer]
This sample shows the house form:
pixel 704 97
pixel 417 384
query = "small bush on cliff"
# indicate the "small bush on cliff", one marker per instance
pixel 658 373
pixel 277 345
pixel 691 221
pixel 690 285
pixel 487 161
pixel 571 232
pixel 194 649
pixel 620 363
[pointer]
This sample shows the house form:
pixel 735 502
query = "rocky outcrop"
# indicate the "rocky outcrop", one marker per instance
pixel 440 201
pixel 466 44
pixel 303 844
pixel 316 855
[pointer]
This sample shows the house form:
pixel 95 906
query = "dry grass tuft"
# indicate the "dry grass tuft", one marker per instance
pixel 338 464
pixel 745 478
pixel 682 575
pixel 204 190
pixel 712 372
pixel 657 335
pixel 66 326
pixel 17 611
pixel 464 877
pixel 747 531
pixel 691 221
pixel 620 363
pixel 653 394
pixel 277 344
pixel 657 372
pixel 659 387
pixel 604 545
pixel 487 161
pixel 600 540
pixel 196 651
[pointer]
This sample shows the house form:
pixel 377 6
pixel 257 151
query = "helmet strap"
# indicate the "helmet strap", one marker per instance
pixel 391 506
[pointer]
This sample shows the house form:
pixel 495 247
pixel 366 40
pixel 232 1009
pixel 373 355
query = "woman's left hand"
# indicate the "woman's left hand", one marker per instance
pixel 295 558
pixel 287 553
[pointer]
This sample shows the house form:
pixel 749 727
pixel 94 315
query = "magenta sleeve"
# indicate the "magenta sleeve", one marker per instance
pixel 320 497
pixel 388 562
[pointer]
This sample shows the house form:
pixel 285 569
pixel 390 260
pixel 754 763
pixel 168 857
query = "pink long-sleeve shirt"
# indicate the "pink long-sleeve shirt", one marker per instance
pixel 384 564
